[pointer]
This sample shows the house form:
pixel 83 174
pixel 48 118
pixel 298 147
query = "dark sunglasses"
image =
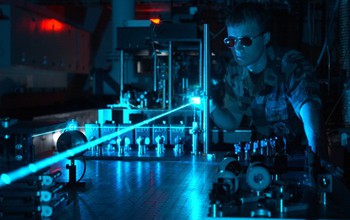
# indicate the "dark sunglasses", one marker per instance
pixel 245 41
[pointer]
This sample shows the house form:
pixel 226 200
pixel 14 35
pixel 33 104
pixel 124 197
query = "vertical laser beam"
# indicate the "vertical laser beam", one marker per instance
pixel 8 178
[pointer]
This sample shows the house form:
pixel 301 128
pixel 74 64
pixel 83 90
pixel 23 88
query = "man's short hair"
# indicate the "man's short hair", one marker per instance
pixel 247 12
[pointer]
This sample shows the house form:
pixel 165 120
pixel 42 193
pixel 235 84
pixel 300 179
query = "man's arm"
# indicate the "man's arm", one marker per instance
pixel 223 118
pixel 314 128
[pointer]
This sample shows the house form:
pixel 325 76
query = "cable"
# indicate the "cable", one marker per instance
pixel 327 35
pixel 84 170
pixel 338 101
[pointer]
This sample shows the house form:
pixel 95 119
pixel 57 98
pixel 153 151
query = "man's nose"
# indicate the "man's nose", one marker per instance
pixel 238 47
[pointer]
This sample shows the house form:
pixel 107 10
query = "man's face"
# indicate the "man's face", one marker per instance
pixel 246 55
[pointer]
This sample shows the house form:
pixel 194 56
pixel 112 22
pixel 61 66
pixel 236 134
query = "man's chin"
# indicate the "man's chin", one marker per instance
pixel 241 63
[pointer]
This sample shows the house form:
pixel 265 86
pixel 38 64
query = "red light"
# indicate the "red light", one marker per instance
pixel 155 20
pixel 51 25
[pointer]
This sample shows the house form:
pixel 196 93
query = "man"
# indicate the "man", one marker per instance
pixel 269 87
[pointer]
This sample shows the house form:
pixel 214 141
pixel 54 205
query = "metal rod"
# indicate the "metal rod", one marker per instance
pixel 170 57
pixel 201 79
pixel 206 72
pixel 201 61
pixel 121 76
pixel 155 70
pixel 164 94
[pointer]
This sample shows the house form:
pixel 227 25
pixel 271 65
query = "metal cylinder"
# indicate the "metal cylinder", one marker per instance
pixel 141 149
pixel 194 137
pixel 323 198
pixel 213 209
pixel 160 144
pixel 141 145
pixel 120 146
pixel 258 177
pixel 281 202
pixel 195 143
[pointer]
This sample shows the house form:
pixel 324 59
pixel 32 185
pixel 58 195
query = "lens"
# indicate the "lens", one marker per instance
pixel 246 41
pixel 230 42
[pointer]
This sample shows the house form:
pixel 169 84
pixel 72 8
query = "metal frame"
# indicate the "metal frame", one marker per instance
pixel 204 78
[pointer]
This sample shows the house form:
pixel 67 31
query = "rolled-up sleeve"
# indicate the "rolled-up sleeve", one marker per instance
pixel 302 84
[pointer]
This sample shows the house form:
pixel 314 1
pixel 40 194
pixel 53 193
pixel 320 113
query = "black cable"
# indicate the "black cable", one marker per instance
pixel 84 170
pixel 325 43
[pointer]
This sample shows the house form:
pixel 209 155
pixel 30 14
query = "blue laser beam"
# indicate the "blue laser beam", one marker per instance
pixel 196 100
pixel 71 125
pixel 8 178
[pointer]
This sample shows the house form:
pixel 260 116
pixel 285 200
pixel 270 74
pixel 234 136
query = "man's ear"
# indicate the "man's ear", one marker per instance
pixel 267 36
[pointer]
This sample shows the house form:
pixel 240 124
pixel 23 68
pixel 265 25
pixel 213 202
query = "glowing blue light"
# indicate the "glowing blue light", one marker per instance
pixel 196 100
pixel 72 125
pixel 5 178
pixel 39 165
pixel 32 168
pixel 70 152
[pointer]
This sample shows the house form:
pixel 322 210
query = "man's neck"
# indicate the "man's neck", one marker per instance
pixel 259 65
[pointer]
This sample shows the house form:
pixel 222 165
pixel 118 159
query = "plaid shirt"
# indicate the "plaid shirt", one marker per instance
pixel 271 101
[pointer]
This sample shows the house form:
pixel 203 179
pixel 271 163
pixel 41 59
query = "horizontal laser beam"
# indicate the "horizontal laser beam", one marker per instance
pixel 8 178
